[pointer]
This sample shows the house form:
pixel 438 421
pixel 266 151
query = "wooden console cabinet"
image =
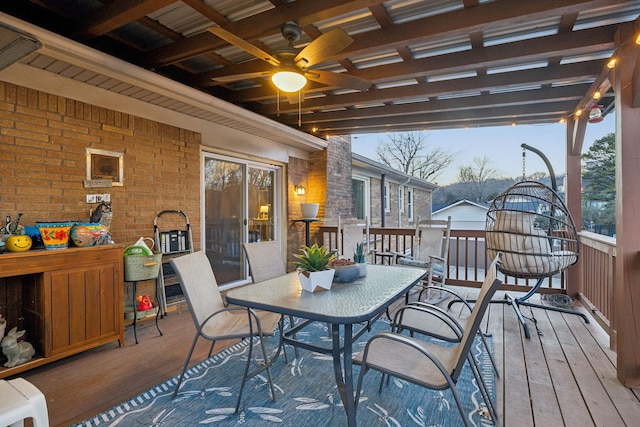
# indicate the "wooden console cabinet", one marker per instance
pixel 68 300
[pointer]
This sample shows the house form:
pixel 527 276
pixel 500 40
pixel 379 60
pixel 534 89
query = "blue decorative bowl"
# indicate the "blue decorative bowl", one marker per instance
pixel 346 273
pixel 34 232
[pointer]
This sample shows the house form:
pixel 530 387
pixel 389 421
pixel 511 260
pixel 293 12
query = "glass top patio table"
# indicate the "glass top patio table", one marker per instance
pixel 345 304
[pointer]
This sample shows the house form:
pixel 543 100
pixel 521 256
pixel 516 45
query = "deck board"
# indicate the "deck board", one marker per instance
pixel 564 377
pixel 517 408
pixel 544 402
pixel 601 408
pixel 566 390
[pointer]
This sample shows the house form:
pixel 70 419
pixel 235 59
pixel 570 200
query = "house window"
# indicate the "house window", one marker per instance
pixel 387 203
pixel 401 198
pixel 361 196
pixel 410 204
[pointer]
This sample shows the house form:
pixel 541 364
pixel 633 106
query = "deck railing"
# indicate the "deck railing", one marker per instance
pixel 468 258
pixel 598 259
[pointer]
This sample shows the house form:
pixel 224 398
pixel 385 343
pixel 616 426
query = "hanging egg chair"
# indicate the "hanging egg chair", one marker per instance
pixel 532 227
pixel 530 224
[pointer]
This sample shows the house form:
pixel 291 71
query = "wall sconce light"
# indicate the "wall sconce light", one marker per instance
pixel 300 190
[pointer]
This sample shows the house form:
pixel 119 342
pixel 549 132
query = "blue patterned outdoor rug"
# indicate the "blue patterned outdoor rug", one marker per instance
pixel 306 394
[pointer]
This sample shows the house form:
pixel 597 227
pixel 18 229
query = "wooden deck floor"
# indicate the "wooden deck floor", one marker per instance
pixel 563 376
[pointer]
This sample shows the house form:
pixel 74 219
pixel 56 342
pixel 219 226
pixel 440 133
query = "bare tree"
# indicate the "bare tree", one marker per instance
pixel 408 152
pixel 477 174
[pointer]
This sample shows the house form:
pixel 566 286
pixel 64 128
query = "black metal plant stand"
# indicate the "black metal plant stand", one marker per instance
pixel 307 223
pixel 135 310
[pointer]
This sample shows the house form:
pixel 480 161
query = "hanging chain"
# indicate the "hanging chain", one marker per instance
pixel 524 164
pixel 299 109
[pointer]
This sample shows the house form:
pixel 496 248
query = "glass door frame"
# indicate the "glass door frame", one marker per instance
pixel 278 208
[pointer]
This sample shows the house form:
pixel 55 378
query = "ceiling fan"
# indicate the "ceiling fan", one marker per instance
pixel 293 67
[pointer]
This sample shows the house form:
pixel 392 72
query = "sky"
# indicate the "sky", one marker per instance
pixel 501 144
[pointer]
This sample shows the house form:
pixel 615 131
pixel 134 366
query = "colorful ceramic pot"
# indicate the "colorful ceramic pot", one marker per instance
pixel 55 235
pixel 18 243
pixel 86 234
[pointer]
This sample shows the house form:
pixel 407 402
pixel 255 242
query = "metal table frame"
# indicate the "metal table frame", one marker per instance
pixel 345 305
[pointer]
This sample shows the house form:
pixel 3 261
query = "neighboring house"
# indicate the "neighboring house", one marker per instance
pixel 465 215
pixel 390 198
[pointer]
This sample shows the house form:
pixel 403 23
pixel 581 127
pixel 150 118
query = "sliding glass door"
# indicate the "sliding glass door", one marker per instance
pixel 239 206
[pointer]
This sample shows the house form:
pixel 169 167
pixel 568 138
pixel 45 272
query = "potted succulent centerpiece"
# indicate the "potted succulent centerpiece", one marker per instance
pixel 313 268
pixel 361 262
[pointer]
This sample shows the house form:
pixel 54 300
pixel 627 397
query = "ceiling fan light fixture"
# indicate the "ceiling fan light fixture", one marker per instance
pixel 288 81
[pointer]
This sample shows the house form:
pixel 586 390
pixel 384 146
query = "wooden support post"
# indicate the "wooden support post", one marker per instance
pixel 572 188
pixel 627 291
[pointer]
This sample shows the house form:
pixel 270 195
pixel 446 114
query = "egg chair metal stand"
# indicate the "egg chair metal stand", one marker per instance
pixel 531 225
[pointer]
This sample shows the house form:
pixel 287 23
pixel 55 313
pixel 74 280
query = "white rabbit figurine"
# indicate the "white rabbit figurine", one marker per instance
pixel 17 352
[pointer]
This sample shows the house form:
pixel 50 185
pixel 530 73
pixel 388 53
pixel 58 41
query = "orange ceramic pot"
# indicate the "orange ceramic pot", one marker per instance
pixel 55 235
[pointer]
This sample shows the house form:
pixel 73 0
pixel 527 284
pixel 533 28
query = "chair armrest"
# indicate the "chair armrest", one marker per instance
pixel 426 314
pixel 455 295
pixel 398 255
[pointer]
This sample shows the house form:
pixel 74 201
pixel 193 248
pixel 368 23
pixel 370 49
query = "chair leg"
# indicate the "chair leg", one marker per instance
pixel 268 367
pixel 244 376
pixel 363 370
pixel 186 364
pixel 211 348
pixel 295 349
pixel 456 397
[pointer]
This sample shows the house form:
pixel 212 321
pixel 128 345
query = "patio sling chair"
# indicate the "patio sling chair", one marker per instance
pixel 216 322
pixel 350 233
pixel 430 251
pixel 419 317
pixel 427 364
pixel 265 262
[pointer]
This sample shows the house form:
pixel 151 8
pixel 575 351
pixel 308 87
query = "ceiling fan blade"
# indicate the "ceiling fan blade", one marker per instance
pixel 244 45
pixel 323 47
pixel 330 78
pixel 243 76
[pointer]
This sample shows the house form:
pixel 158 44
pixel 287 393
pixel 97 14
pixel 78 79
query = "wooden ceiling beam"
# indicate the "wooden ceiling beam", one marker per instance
pixel 303 12
pixel 119 13
pixel 580 42
pixel 580 71
pixel 566 93
pixel 509 115
pixel 499 14
pixel 391 127
pixel 563 44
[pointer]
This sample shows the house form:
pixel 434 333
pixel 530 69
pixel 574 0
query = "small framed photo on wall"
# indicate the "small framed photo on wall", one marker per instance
pixel 105 165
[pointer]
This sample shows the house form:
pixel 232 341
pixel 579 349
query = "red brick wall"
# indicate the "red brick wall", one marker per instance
pixel 339 201
pixel 43 138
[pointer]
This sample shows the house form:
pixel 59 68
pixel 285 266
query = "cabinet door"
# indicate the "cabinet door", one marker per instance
pixel 84 307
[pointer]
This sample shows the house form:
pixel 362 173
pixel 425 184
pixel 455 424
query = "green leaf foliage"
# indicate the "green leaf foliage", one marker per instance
pixel 358 255
pixel 599 172
pixel 314 258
